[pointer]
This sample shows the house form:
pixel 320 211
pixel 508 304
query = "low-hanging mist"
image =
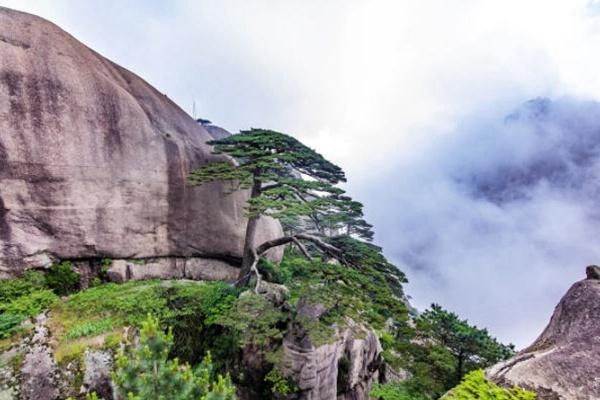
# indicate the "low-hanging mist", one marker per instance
pixel 499 218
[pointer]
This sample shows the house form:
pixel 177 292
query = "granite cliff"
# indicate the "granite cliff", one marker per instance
pixel 94 161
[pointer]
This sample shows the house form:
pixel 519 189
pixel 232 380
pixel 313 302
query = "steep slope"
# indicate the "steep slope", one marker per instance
pixel 564 362
pixel 93 160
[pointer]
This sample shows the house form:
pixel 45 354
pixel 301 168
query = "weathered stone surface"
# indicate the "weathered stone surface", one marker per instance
pixel 388 374
pixel 94 161
pixel 9 382
pixel 38 372
pixel 119 271
pixel 97 375
pixel 160 268
pixel 195 268
pixel 275 293
pixel 210 270
pixel 216 131
pixel 564 362
pixel 354 353
pixel 592 272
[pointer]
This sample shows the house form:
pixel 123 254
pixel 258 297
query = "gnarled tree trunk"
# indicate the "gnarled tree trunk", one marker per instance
pixel 249 253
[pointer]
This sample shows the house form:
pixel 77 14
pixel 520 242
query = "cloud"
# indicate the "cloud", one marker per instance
pixel 501 217
pixel 342 73
pixel 386 89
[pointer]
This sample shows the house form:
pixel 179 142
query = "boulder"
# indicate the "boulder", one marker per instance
pixel 275 293
pixel 564 362
pixel 592 272
pixel 94 161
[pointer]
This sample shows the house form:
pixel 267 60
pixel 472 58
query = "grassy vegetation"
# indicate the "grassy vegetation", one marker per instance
pixel 396 391
pixel 125 304
pixel 214 317
pixel 90 328
pixel 11 289
pixel 100 316
pixel 21 299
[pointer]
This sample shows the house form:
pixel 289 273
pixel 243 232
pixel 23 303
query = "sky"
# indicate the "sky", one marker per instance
pixel 411 98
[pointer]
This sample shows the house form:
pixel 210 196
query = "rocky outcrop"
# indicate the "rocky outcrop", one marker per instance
pixel 38 373
pixel 564 362
pixel 344 368
pixel 28 369
pixel 97 376
pixel 592 272
pixel 94 161
pixel 215 131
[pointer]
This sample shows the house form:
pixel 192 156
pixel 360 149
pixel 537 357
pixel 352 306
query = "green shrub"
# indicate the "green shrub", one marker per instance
pixel 280 385
pixel 190 308
pixel 62 279
pixel 90 328
pixel 273 272
pixel 10 324
pixel 22 308
pixel 193 311
pixel 31 304
pixel 112 341
pixel 10 289
pixel 476 387
pixel 396 391
pixel 126 304
pixel 145 373
pixel 256 319
pixel 362 295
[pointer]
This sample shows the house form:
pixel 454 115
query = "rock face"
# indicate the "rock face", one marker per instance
pixel 343 369
pixel 97 375
pixel 195 268
pixel 592 272
pixel 39 369
pixel 564 362
pixel 94 161
pixel 28 370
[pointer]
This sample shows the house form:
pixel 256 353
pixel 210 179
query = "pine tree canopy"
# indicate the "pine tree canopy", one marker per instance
pixel 288 180
pixel 270 155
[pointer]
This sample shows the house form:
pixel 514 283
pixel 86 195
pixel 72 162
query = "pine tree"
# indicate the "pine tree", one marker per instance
pixel 290 182
pixel 147 374
pixel 471 346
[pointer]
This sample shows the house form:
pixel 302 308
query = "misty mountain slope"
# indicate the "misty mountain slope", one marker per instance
pixel 495 219
pixel 561 148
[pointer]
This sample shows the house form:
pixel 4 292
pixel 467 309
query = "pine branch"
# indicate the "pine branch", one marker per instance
pixel 323 246
pixel 302 248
